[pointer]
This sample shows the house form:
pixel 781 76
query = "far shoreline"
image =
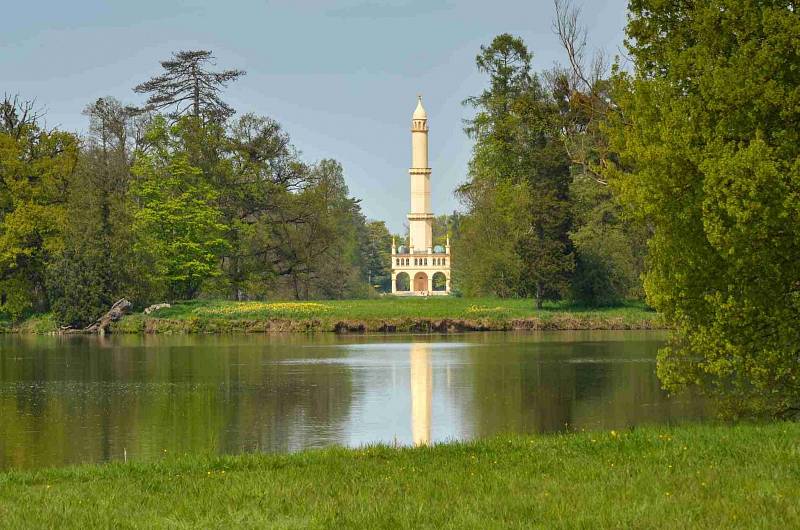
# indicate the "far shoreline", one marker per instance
pixel 406 325
pixel 385 315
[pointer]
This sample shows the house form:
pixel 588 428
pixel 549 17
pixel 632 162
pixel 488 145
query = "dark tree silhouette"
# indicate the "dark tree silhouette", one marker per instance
pixel 189 87
pixel 16 115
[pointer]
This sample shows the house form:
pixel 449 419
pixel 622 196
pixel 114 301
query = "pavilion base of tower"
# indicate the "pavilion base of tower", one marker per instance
pixel 420 273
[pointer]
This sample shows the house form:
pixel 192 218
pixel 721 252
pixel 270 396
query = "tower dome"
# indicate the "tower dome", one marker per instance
pixel 419 112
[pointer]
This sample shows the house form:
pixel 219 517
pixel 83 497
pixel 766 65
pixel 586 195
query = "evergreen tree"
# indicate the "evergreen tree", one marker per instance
pixel 376 251
pixel 188 87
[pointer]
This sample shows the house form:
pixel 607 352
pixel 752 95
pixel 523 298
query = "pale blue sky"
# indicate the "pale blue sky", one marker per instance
pixel 341 77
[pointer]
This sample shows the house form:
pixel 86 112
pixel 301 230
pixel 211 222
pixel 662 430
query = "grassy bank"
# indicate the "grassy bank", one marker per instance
pixel 387 314
pixel 746 476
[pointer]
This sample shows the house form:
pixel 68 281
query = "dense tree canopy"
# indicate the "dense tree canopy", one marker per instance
pixel 515 234
pixel 707 136
pixel 157 207
pixel 35 168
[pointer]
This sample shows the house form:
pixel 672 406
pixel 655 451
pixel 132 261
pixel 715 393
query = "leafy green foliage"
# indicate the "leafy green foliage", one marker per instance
pixel 376 249
pixel 176 221
pixel 708 156
pixel 514 237
pixel 35 166
pixel 75 283
pixel 609 249
pixel 98 264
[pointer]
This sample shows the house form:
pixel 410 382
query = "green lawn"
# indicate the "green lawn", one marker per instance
pixel 386 314
pixel 386 307
pixel 695 476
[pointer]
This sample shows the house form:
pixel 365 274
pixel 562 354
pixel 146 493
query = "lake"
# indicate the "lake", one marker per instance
pixel 66 400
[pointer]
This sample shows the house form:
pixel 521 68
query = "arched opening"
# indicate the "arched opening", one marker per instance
pixel 420 281
pixel 402 282
pixel 439 282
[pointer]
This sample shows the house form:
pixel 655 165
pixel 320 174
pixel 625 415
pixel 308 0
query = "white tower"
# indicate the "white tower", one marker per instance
pixel 425 268
pixel 420 219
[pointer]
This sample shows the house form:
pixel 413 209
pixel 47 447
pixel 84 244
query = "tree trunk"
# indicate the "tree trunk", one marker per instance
pixel 115 313
pixel 538 295
pixel 196 102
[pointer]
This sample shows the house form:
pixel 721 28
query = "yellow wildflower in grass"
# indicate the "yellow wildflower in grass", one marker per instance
pixel 484 311
pixel 264 310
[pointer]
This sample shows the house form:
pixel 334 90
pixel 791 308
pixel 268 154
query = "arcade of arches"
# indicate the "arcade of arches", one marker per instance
pixel 422 282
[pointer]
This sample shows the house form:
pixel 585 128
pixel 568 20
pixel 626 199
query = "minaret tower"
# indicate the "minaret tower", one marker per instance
pixel 420 219
pixel 420 268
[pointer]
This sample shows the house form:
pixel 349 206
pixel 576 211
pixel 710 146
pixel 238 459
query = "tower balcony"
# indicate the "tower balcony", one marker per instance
pixel 420 259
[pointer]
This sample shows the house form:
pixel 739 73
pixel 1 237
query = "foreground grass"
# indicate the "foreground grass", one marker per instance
pixel 385 314
pixel 746 476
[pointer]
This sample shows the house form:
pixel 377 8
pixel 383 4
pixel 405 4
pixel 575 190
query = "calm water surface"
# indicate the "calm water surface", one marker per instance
pixel 68 400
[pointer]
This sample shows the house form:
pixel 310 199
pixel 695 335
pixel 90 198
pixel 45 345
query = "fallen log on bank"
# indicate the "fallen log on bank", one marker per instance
pixel 116 312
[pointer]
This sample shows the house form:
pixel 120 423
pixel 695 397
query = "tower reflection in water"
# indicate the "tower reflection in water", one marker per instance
pixel 421 390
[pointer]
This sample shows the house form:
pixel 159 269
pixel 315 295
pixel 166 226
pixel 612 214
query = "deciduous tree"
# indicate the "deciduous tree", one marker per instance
pixel 514 238
pixel 176 220
pixel 708 143
pixel 35 169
